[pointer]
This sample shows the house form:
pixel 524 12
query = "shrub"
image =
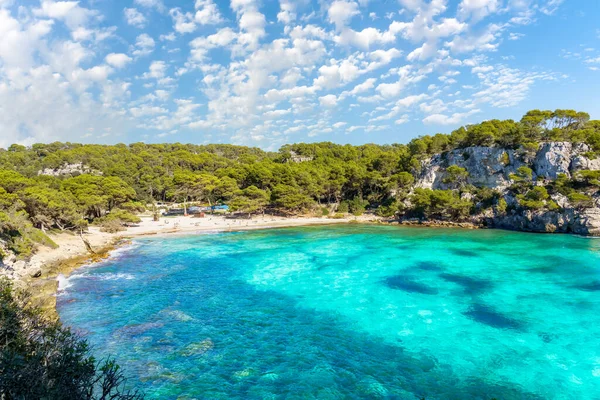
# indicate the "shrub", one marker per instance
pixel 535 199
pixel 387 211
pixel 357 206
pixel 324 211
pixel 580 200
pixel 501 206
pixel 40 359
pixel 111 226
pixel 343 207
pixel 455 174
pixel 523 174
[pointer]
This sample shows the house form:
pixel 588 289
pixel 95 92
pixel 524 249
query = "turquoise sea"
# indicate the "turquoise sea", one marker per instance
pixel 345 312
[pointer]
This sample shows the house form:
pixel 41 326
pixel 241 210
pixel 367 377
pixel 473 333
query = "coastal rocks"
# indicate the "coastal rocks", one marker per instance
pixel 487 166
pixel 569 220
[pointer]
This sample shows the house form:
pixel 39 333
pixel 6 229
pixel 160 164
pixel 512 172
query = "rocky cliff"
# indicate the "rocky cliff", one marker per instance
pixel 495 167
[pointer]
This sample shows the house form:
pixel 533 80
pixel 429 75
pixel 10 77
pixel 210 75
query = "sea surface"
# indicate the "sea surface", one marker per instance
pixel 344 312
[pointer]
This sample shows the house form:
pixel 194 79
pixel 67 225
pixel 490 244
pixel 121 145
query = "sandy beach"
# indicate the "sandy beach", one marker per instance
pixel 71 246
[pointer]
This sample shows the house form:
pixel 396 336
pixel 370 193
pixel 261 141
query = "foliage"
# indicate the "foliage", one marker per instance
pixel 523 174
pixel 580 200
pixel 343 207
pixel 589 178
pixel 441 204
pixel 116 220
pixel 455 175
pixel 40 359
pixel 535 199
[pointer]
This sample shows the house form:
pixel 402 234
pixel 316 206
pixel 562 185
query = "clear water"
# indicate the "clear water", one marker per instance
pixel 348 312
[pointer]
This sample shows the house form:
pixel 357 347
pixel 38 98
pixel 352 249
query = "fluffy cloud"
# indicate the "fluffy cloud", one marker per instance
pixel 118 60
pixel 207 13
pixel 134 17
pixel 257 75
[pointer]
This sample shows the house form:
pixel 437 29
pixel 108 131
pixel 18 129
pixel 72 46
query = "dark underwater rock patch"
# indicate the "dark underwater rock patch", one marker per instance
pixel 401 282
pixel 428 266
pixel 464 253
pixel 589 287
pixel 470 285
pixel 488 316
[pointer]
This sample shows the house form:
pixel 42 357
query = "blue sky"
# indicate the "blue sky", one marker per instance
pixel 266 73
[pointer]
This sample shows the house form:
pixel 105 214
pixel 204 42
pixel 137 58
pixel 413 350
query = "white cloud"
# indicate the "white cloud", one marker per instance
pixel 551 6
pixel 118 60
pixel 183 22
pixel 478 9
pixel 144 45
pixel 157 4
pixel 207 13
pixel 328 101
pixel 341 11
pixel 157 70
pixel 442 119
pixel 134 17
pixel 69 12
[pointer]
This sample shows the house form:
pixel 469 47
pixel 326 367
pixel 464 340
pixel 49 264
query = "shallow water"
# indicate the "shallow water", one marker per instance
pixel 347 312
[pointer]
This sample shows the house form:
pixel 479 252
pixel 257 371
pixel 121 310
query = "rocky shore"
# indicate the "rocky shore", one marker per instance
pixel 493 168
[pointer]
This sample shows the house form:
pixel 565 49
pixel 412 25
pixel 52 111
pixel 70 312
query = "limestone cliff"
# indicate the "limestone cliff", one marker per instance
pixel 492 167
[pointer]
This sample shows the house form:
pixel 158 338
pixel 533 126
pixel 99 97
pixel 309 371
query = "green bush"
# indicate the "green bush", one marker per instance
pixel 343 207
pixel 357 206
pixel 501 206
pixel 580 200
pixel 523 174
pixel 387 211
pixel 324 211
pixel 535 199
pixel 40 359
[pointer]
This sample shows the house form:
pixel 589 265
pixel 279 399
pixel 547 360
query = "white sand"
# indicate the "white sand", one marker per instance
pixel 71 245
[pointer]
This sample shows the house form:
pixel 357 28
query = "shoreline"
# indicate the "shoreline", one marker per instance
pixel 39 275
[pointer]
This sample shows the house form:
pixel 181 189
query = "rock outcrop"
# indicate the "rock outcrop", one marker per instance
pixel 487 166
pixel 70 170
pixel 492 167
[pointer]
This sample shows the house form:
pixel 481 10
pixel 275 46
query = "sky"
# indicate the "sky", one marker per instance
pixel 266 73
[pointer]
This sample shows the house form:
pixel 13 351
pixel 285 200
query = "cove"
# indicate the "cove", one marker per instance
pixel 342 312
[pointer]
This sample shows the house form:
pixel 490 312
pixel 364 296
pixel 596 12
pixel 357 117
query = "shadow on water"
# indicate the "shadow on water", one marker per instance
pixel 472 286
pixel 488 316
pixel 404 283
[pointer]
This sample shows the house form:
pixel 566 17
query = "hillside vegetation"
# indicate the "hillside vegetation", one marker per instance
pixel 66 186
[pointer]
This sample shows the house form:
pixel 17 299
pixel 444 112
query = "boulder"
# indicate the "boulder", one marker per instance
pixel 553 158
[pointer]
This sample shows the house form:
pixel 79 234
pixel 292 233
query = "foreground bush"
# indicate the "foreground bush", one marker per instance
pixel 40 359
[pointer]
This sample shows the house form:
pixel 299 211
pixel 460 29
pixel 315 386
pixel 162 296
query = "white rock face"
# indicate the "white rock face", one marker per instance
pixel 70 169
pixel 487 166
pixel 581 162
pixel 552 159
